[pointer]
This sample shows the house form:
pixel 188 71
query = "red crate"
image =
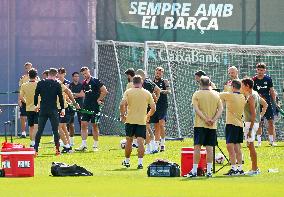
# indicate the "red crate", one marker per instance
pixel 187 160
pixel 18 162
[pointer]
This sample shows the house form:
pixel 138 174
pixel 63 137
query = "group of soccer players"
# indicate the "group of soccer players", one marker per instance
pixel 145 101
pixel 248 102
pixel 57 99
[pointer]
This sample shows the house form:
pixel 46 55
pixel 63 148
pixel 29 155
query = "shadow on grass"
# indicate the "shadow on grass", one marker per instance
pixel 214 177
pixel 122 170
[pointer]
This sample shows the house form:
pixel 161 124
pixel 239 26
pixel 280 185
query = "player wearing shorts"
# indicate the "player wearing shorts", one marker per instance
pixel 76 87
pixel 208 108
pixel 235 103
pixel 94 92
pixel 252 117
pixel 148 84
pixel 133 112
pixel 65 119
pixel 27 93
pixel 23 114
pixel 264 86
pixel 160 116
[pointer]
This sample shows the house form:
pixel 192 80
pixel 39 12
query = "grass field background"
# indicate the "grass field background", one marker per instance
pixel 112 179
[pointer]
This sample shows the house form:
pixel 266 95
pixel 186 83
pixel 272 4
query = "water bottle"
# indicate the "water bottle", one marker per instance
pixel 273 170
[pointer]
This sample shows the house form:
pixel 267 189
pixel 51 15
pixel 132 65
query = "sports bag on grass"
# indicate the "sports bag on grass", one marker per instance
pixel 62 169
pixel 163 168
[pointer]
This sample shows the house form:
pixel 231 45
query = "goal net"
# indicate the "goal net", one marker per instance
pixel 181 61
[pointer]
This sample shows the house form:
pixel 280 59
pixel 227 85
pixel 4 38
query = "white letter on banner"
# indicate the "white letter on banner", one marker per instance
pixel 180 23
pixel 191 21
pixel 132 6
pixel 154 9
pixel 169 22
pixel 228 10
pixel 153 21
pixel 185 9
pixel 201 10
pixel 165 8
pixel 213 24
pixel 176 9
pixel 213 10
pixel 146 20
pixel 142 8
pixel 199 26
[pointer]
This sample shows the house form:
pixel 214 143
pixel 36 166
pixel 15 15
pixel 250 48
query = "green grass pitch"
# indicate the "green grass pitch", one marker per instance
pixel 112 179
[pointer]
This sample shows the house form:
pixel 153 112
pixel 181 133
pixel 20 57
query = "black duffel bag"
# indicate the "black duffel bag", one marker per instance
pixel 62 169
pixel 162 168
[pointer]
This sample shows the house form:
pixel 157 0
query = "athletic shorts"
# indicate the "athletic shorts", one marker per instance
pixel 269 114
pixel 66 118
pixel 23 111
pixel 160 114
pixel 234 134
pixel 72 116
pixel 253 132
pixel 32 118
pixel 204 136
pixel 94 118
pixel 135 130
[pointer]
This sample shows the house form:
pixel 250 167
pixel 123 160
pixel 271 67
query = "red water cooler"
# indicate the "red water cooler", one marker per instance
pixel 17 161
pixel 187 160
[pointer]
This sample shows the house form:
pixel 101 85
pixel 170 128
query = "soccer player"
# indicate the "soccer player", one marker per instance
pixel 133 111
pixel 94 92
pixel 252 117
pixel 130 73
pixel 48 89
pixel 149 85
pixel 27 93
pixel 208 108
pixel 264 86
pixel 76 87
pixel 233 74
pixel 23 114
pixel 160 116
pixel 235 103
pixel 44 75
pixel 198 76
pixel 64 119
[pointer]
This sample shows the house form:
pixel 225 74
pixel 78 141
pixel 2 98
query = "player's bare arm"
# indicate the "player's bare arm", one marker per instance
pixel 167 90
pixel 103 94
pixel 264 106
pixel 253 114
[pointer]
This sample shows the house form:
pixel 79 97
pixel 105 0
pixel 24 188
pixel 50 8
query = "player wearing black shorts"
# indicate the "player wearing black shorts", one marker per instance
pixel 65 119
pixel 208 108
pixel 23 113
pixel 235 103
pixel 264 86
pixel 160 116
pixel 76 87
pixel 148 84
pixel 94 92
pixel 27 96
pixel 133 112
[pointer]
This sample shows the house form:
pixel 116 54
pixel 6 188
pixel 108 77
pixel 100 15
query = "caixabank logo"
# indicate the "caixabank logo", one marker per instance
pixel 189 56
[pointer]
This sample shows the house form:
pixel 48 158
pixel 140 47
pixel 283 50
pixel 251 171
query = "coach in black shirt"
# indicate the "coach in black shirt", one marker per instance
pixel 49 89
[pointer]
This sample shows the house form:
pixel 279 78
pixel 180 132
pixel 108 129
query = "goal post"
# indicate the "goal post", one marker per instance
pixel 180 61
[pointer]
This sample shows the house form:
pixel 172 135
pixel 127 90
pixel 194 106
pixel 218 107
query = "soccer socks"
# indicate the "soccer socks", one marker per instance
pixel 258 139
pixel 209 167
pixel 148 148
pixel 127 160
pixel 71 140
pixel 84 143
pixel 67 146
pixel 32 143
pixel 95 144
pixel 240 167
pixel 271 139
pixel 140 161
pixel 234 167
pixel 152 144
pixel 194 168
pixel 157 144
pixel 163 141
